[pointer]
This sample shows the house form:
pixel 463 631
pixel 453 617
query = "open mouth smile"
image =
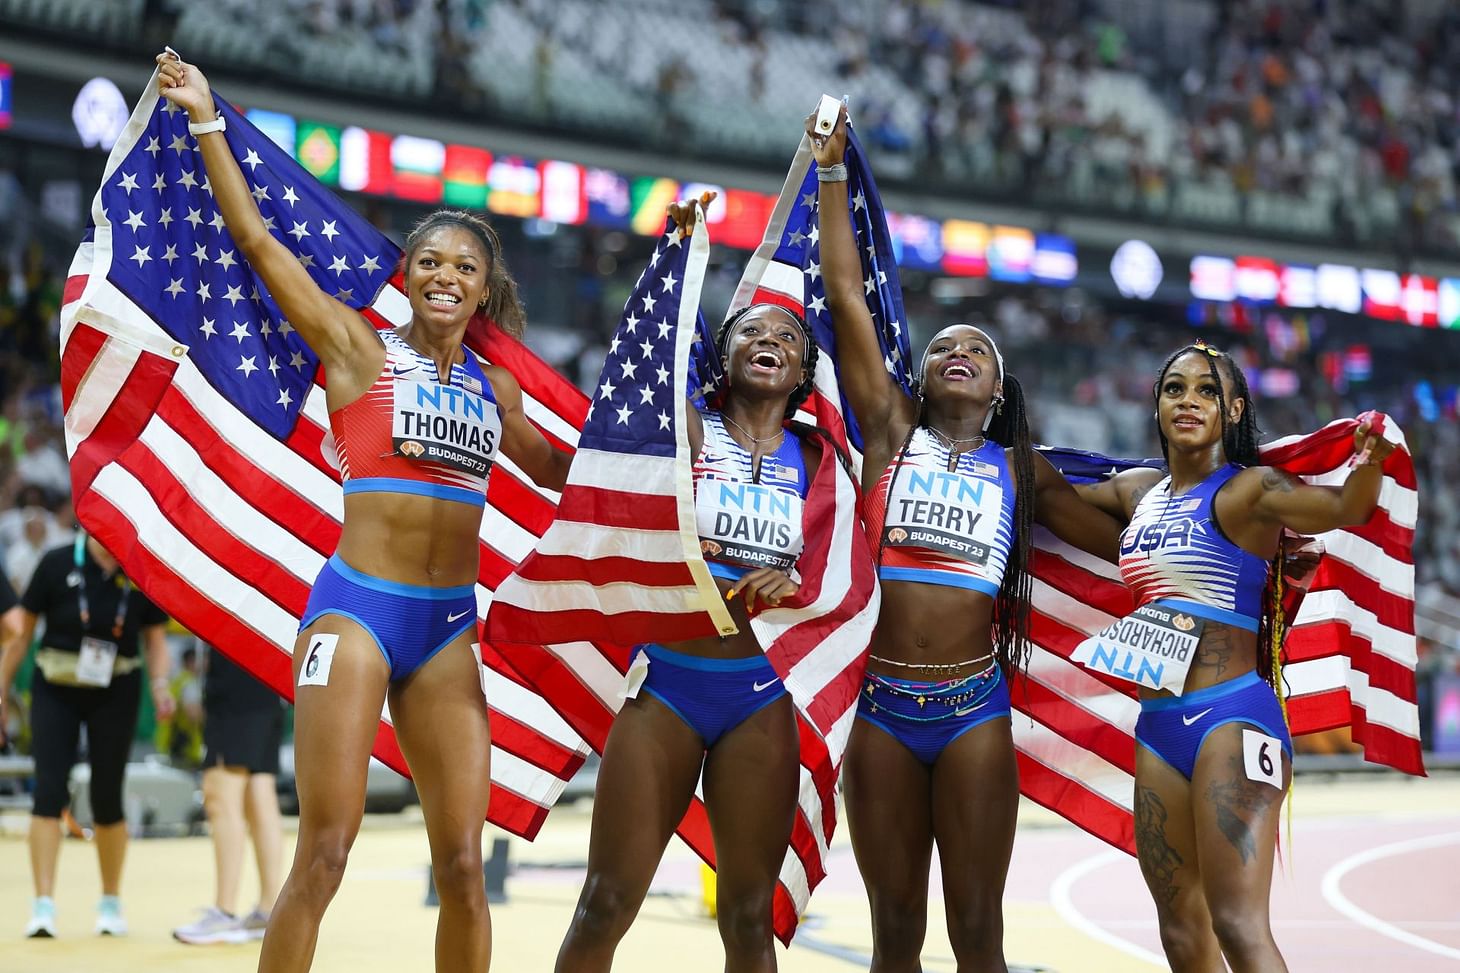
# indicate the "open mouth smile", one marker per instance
pixel 766 361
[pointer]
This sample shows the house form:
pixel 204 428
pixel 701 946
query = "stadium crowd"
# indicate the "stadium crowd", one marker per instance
pixel 1331 120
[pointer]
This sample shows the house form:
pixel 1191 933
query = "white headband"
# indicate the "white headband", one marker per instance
pixel 998 356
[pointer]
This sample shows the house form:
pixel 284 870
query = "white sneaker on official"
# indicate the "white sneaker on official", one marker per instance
pixel 109 921
pixel 42 923
pixel 213 926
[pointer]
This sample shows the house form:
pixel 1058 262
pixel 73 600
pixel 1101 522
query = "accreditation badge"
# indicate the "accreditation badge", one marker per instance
pixel 1152 647
pixel 95 661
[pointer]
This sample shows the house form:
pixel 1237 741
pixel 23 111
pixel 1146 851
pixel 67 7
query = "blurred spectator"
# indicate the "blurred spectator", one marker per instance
pixel 180 736
pixel 89 672
pixel 38 535
pixel 243 728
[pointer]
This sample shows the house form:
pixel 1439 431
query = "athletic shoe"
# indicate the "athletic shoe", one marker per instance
pixel 214 926
pixel 109 921
pixel 42 923
pixel 254 925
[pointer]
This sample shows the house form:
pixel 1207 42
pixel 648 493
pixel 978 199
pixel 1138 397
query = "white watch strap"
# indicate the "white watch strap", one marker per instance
pixel 218 124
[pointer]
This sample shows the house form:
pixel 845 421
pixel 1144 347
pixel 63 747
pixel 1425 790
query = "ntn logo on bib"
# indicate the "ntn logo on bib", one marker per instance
pixel 444 424
pixel 748 523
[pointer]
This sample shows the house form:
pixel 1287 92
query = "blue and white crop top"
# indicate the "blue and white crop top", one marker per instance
pixel 747 521
pixel 944 527
pixel 410 434
pixel 1173 548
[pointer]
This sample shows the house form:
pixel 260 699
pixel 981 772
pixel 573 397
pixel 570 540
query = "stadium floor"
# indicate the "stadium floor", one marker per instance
pixel 1372 882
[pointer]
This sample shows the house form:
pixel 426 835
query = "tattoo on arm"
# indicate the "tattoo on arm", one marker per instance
pixel 1136 496
pixel 1159 861
pixel 1215 650
pixel 1279 480
pixel 1239 803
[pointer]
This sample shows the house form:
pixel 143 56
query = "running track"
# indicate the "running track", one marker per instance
pixel 1367 891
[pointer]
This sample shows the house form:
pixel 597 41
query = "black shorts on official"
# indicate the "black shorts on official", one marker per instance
pixel 250 741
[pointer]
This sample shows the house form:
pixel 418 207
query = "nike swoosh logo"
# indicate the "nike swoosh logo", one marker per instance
pixel 1188 720
pixel 762 686
pixel 458 615
pixel 408 368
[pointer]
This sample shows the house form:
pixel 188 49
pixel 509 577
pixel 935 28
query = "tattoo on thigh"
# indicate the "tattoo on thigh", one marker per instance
pixel 1159 861
pixel 1237 801
pixel 1215 650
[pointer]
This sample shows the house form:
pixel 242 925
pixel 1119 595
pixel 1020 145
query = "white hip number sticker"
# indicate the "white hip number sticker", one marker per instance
pixel 1262 756
pixel 318 658
pixel 635 677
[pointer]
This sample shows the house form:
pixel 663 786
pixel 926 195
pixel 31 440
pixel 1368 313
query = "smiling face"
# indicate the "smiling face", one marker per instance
pixel 446 276
pixel 961 363
pixel 765 351
pixel 1188 405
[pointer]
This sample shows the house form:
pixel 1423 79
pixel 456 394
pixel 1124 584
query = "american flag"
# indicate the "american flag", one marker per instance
pixel 623 559
pixel 198 434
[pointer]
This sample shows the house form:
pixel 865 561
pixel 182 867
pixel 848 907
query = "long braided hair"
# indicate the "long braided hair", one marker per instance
pixel 1239 445
pixel 1008 425
pixel 503 306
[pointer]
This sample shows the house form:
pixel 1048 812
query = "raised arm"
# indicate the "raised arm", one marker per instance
pixel 522 442
pixel 335 332
pixel 1277 497
pixel 882 409
pixel 683 213
pixel 1070 517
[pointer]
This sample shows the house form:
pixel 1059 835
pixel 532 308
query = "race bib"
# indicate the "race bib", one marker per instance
pixel 1152 647
pixel 444 424
pixel 95 661
pixel 955 513
pixel 748 523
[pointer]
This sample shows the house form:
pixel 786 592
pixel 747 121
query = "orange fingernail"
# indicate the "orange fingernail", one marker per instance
pixel 730 594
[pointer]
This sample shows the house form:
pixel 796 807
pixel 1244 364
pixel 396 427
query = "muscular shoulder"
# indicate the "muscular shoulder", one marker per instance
pixel 504 386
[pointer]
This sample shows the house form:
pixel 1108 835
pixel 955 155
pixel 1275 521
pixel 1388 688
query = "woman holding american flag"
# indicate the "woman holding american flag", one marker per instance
pixel 418 423
pixel 715 706
pixel 1202 552
pixel 953 488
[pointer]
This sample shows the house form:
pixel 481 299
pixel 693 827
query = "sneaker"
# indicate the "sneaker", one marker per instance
pixel 254 925
pixel 42 923
pixel 109 921
pixel 214 926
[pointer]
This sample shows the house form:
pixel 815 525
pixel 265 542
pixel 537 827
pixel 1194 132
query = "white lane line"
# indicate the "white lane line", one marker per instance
pixel 1064 907
pixel 1335 897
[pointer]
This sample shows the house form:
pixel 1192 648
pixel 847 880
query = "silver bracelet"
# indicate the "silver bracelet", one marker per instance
pixel 836 173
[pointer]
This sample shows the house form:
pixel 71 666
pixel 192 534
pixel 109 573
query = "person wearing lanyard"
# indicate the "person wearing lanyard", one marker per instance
pixel 88 671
